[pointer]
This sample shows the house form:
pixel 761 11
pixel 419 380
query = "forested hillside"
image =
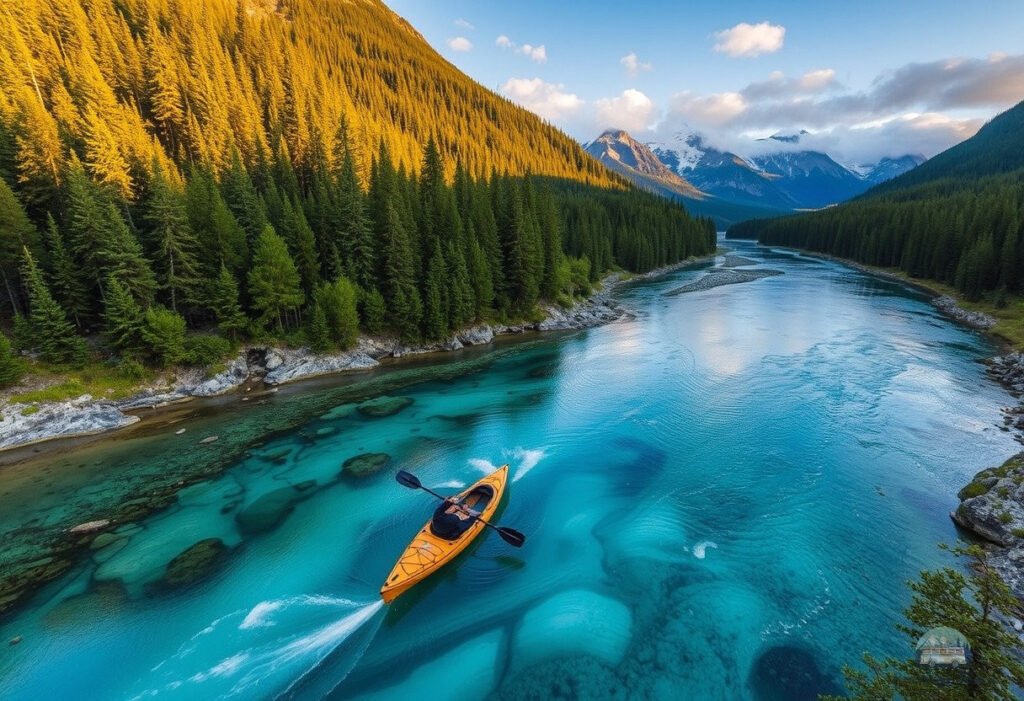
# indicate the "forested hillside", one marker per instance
pixel 958 219
pixel 299 169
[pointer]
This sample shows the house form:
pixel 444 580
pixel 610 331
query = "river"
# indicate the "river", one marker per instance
pixel 722 496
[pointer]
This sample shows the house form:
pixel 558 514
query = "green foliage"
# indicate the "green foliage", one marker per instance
pixel 273 280
pixel 205 350
pixel 16 234
pixel 224 303
pixel 171 241
pixel 338 301
pixel 163 330
pixel 373 311
pixel 11 368
pixel 971 604
pixel 317 337
pixel 48 331
pixel 123 318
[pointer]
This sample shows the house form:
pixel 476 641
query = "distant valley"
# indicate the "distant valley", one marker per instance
pixel 730 187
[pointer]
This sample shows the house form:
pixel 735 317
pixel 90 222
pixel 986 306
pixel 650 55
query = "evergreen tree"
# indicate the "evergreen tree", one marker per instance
pixel 274 283
pixel 224 303
pixel 67 284
pixel 16 234
pixel 338 302
pixel 972 604
pixel 52 335
pixel 172 244
pixel 11 369
pixel 301 243
pixel 163 330
pixel 243 200
pixel 221 239
pixel 435 298
pixel 402 297
pixel 123 318
pixel 373 312
pixel 317 336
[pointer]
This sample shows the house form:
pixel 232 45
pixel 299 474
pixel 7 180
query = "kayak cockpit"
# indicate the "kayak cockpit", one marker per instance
pixel 453 518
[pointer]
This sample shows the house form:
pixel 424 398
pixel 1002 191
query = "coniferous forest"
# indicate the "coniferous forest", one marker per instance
pixel 957 219
pixel 176 176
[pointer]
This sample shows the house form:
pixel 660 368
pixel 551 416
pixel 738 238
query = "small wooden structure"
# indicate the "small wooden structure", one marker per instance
pixel 943 646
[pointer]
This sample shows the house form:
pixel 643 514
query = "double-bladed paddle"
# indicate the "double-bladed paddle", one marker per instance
pixel 509 535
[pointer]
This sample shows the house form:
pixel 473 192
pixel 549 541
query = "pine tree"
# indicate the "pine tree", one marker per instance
pixel 172 244
pixel 243 200
pixel 274 283
pixel 224 304
pixel 67 284
pixel 163 331
pixel 401 295
pixel 11 369
pixel 373 311
pixel 301 243
pixel 16 234
pixel 220 238
pixel 338 300
pixel 435 297
pixel 123 318
pixel 52 335
pixel 317 336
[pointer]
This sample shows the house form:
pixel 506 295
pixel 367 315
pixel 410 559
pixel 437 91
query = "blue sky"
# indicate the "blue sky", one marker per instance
pixel 868 78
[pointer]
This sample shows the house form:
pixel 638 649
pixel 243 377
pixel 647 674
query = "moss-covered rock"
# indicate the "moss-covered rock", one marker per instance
pixel 383 406
pixel 268 511
pixel 195 563
pixel 365 464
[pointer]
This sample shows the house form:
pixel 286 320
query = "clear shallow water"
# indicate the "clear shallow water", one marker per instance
pixel 722 499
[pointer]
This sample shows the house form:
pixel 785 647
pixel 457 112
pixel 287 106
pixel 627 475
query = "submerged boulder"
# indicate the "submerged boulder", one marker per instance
pixel 579 620
pixel 380 407
pixel 365 464
pixel 195 563
pixel 268 511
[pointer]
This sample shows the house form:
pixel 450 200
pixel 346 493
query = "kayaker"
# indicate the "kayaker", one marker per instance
pixel 450 518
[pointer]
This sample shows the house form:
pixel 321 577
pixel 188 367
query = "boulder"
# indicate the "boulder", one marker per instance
pixel 365 464
pixel 195 563
pixel 210 439
pixel 380 407
pixel 477 335
pixel 90 526
pixel 236 373
pixel 268 511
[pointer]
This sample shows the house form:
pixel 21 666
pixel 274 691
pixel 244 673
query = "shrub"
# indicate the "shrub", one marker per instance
pixel 131 369
pixel 1005 517
pixel 974 489
pixel 206 349
pixel 164 331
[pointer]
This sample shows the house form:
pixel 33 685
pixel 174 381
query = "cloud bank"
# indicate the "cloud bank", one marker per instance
pixel 750 40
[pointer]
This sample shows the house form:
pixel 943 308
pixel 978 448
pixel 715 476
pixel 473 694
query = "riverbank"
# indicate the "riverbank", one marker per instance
pixel 258 367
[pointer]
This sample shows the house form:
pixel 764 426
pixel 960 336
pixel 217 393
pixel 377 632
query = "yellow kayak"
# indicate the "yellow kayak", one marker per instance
pixel 455 524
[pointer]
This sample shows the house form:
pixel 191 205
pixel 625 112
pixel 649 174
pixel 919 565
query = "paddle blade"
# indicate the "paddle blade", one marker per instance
pixel 511 536
pixel 407 479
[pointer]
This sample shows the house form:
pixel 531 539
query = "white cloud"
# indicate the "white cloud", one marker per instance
pixel 634 66
pixel 815 81
pixel 539 54
pixel 536 53
pixel 464 24
pixel 632 111
pixel 460 44
pixel 750 40
pixel 547 100
pixel 708 110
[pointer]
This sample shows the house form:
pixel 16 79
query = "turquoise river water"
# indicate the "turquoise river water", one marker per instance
pixel 722 495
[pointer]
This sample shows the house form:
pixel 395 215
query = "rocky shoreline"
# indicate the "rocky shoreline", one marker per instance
pixel 25 424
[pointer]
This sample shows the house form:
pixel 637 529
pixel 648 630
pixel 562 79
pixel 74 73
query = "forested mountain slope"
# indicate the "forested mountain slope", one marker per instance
pixel 298 170
pixel 956 219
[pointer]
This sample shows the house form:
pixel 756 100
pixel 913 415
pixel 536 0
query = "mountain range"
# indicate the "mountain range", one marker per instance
pixel 729 187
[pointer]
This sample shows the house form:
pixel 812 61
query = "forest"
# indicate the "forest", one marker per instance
pixel 135 226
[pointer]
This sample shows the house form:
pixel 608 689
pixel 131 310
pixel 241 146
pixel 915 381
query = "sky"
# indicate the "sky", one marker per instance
pixel 867 79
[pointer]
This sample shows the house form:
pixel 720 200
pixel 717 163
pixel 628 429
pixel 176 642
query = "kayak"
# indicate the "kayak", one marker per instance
pixel 450 531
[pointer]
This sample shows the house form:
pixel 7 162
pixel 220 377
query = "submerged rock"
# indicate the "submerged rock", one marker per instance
pixel 789 673
pixel 15 640
pixel 90 526
pixel 579 620
pixel 365 464
pixel 268 511
pixel 383 406
pixel 195 563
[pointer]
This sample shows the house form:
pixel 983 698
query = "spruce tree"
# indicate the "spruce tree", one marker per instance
pixel 274 283
pixel 373 311
pixel 435 297
pixel 317 336
pixel 220 238
pixel 123 318
pixel 67 283
pixel 11 369
pixel 52 335
pixel 172 244
pixel 16 234
pixel 224 303
pixel 338 300
pixel 242 199
pixel 163 330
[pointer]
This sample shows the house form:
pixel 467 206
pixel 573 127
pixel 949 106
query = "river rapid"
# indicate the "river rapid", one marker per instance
pixel 723 496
